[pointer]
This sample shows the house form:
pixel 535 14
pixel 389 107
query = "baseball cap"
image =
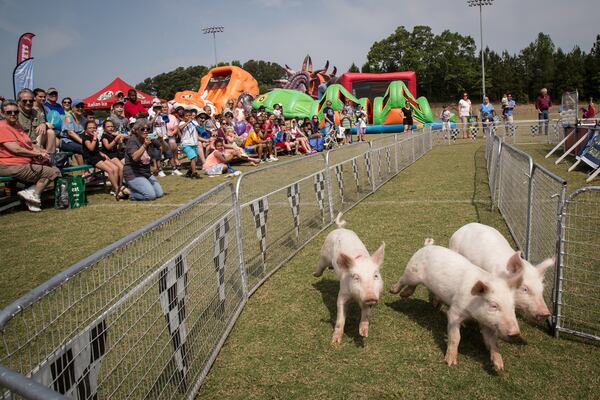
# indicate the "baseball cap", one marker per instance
pixel 52 90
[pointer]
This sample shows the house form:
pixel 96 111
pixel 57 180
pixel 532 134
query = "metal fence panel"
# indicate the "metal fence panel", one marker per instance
pixel 547 196
pixel 513 192
pixel 142 318
pixel 527 132
pixel 383 153
pixel 578 297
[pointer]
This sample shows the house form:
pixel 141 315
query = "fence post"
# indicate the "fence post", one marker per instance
pixel 529 210
pixel 372 172
pixel 329 185
pixel 396 142
pixel 238 236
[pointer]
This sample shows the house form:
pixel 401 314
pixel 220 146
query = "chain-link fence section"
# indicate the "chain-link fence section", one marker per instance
pixel 146 316
pixel 546 198
pixel 142 318
pixel 578 295
pixel 514 174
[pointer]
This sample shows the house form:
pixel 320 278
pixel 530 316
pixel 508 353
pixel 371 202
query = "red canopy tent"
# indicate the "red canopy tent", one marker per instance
pixel 106 97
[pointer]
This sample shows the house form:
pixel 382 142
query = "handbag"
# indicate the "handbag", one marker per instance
pixel 41 160
pixel 59 160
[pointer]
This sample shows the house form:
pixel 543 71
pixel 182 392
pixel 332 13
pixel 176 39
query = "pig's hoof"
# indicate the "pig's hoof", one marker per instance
pixel 498 363
pixel 363 330
pixel 317 274
pixel 395 289
pixel 336 338
pixel 450 360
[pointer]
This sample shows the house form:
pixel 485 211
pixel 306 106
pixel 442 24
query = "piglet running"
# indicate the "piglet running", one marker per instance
pixel 357 271
pixel 469 291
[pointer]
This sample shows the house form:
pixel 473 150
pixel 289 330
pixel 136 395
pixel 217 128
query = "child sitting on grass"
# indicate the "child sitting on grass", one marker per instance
pixel 216 162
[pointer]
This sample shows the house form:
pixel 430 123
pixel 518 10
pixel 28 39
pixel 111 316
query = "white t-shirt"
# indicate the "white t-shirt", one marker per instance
pixel 159 127
pixel 464 108
pixel 189 135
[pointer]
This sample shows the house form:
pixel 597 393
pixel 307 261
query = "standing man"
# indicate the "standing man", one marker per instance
pixel 329 116
pixel 508 112
pixel 134 108
pixel 34 123
pixel 464 112
pixel 51 103
pixel 542 105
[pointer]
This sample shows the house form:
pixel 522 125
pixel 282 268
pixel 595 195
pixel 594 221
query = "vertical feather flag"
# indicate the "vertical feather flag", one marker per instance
pixel 23 73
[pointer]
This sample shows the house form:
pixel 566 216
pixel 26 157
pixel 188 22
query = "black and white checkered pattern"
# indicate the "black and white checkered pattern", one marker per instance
pixel 74 368
pixel 172 287
pixel 388 159
pixel 319 184
pixel 260 211
pixel 454 133
pixel 355 173
pixel 293 195
pixel 493 129
pixel 511 129
pixel 368 166
pixel 535 129
pixel 473 131
pixel 220 257
pixel 339 175
pixel 379 163
pixel 556 128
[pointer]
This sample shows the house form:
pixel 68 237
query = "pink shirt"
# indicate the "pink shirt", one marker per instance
pixel 212 160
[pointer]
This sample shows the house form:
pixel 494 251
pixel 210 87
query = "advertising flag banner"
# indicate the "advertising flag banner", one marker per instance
pixel 23 73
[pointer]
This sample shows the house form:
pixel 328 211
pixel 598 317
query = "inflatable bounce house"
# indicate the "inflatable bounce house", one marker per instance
pixel 216 87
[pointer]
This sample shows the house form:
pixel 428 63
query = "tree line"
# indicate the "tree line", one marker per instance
pixel 446 64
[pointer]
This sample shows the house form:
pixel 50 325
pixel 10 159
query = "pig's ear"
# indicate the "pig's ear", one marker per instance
pixel 514 265
pixel 544 265
pixel 377 257
pixel 479 289
pixel 344 262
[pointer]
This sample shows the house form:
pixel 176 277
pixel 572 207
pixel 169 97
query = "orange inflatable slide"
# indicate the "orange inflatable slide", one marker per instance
pixel 218 86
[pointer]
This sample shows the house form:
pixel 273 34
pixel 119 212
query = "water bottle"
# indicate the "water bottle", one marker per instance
pixel 63 200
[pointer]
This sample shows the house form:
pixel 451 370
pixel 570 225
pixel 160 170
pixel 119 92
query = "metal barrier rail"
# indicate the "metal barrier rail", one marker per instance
pixel 516 132
pixel 146 316
pixel 578 289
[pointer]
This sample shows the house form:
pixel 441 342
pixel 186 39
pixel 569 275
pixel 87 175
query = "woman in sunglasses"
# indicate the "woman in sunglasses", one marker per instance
pixel 22 160
pixel 142 184
pixel 67 104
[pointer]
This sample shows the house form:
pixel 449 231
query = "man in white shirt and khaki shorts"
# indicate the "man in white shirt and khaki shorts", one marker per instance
pixel 464 111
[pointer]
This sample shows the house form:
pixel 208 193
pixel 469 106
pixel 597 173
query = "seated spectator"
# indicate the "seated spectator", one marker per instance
pixel 20 158
pixel 51 102
pixel 142 184
pixel 34 123
pixel 228 107
pixel 93 156
pixel 117 116
pixel 66 104
pixel 133 107
pixel 300 137
pixel 72 129
pixel 217 163
pixel 240 112
pixel 254 142
pixel 284 141
pixel 171 138
pixel 189 143
pixel 113 142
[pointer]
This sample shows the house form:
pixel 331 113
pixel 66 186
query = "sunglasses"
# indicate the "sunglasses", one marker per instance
pixel 66 102
pixel 144 129
pixel 53 94
pixel 11 112
pixel 27 101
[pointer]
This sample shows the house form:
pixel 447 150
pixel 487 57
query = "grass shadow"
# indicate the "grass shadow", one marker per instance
pixel 329 289
pixel 480 182
pixel 471 341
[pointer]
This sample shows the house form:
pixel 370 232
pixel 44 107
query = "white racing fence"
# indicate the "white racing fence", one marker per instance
pixel 544 223
pixel 516 132
pixel 146 316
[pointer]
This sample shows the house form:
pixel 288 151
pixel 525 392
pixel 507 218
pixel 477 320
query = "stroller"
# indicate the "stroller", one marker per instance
pixel 333 138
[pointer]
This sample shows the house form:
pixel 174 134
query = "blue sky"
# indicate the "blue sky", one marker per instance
pixel 82 45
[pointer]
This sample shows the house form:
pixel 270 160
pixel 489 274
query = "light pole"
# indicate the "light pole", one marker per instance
pixel 213 30
pixel 480 4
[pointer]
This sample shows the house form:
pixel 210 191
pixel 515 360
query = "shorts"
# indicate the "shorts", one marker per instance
pixel 280 145
pixel 155 153
pixel 30 173
pixel 71 146
pixel 190 151
pixel 465 121
pixel 216 169
pixel 250 149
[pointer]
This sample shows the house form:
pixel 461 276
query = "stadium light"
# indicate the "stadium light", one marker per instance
pixel 481 4
pixel 214 30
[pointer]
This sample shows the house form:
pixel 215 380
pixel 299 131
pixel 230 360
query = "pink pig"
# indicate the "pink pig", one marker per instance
pixel 470 292
pixel 357 271
pixel 485 247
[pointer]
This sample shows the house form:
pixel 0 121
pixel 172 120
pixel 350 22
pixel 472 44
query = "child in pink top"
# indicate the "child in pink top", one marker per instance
pixel 216 162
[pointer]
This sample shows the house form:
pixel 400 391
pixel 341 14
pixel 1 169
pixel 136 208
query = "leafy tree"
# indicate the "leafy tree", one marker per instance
pixel 353 68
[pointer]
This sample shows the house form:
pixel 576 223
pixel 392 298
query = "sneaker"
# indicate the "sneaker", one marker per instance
pixel 188 174
pixel 268 159
pixel 176 172
pixel 236 173
pixel 30 196
pixel 273 158
pixel 161 173
pixel 195 176
pixel 33 207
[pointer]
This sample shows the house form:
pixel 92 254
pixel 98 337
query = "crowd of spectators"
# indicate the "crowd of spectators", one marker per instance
pixel 135 145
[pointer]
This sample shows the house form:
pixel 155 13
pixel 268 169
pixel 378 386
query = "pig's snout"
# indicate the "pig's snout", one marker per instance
pixel 513 332
pixel 543 316
pixel 371 302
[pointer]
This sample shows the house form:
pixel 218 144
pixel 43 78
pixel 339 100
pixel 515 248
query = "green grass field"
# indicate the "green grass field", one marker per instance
pixel 280 347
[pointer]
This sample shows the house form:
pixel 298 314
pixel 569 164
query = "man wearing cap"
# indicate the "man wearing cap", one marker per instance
pixel 133 108
pixel 51 103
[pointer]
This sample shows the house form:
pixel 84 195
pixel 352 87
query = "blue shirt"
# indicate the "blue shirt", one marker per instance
pixel 70 123
pixel 54 107
pixel 489 108
pixel 509 107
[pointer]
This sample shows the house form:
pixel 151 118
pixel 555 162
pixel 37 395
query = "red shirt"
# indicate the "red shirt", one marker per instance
pixel 543 103
pixel 13 134
pixel 132 109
